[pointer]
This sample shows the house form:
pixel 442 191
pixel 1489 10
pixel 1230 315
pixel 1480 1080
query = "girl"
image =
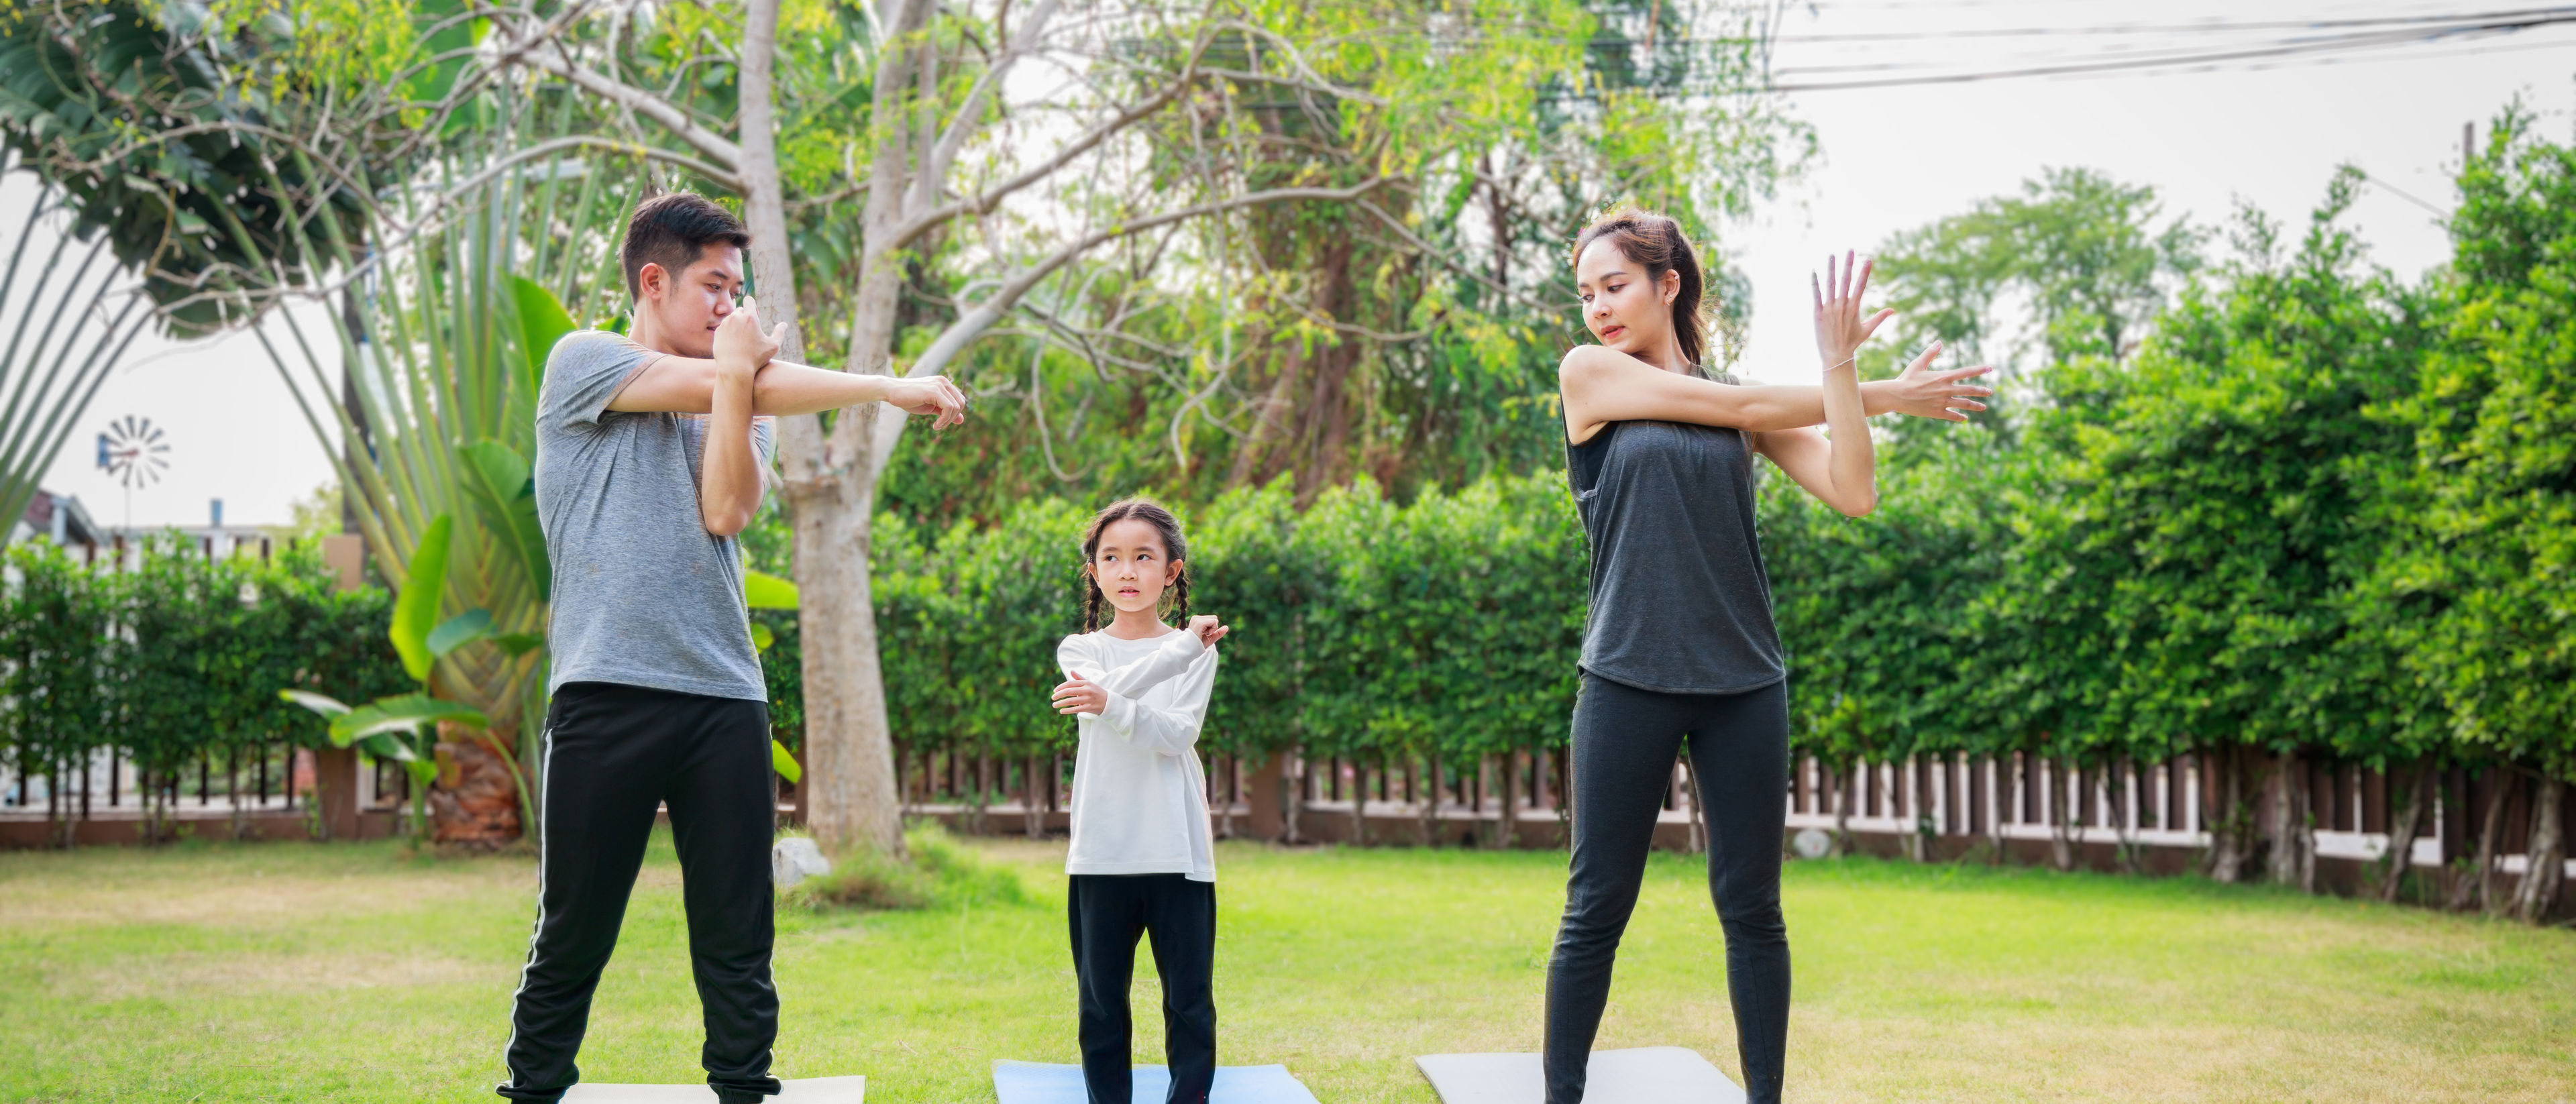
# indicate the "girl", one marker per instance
pixel 1142 859
pixel 1679 649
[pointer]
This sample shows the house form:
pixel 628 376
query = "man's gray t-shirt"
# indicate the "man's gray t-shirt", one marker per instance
pixel 643 594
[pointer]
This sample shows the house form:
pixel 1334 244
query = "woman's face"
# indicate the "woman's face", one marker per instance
pixel 1131 566
pixel 1623 309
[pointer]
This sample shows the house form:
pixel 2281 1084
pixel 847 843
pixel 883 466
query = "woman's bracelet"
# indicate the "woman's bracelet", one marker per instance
pixel 1843 361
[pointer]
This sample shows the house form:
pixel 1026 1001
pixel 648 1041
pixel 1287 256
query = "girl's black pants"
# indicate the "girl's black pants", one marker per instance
pixel 1625 743
pixel 1106 913
pixel 612 755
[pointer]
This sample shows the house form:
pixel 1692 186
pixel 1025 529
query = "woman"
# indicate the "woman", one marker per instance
pixel 1679 650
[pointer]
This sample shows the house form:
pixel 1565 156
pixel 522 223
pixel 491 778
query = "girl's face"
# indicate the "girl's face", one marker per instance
pixel 1131 565
pixel 1623 309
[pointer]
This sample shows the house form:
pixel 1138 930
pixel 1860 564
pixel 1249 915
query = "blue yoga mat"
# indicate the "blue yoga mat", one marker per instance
pixel 1047 1083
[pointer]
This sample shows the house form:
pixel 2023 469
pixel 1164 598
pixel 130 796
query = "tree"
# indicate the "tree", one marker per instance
pixel 2486 525
pixel 951 156
pixel 2081 250
pixel 2211 507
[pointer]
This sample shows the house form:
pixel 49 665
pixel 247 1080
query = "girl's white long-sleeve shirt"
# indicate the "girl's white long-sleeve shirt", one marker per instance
pixel 1139 797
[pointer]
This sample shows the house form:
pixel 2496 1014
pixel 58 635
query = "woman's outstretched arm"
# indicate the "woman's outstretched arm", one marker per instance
pixel 1601 385
pixel 1840 469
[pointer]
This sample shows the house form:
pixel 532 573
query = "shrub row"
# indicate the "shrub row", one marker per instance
pixel 180 657
pixel 2322 515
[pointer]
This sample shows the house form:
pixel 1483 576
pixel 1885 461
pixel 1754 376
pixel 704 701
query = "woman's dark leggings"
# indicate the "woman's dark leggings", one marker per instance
pixel 1625 742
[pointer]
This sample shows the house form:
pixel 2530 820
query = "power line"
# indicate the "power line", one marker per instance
pixel 2204 28
pixel 2471 27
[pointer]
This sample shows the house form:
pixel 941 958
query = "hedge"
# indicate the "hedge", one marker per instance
pixel 180 657
pixel 2322 515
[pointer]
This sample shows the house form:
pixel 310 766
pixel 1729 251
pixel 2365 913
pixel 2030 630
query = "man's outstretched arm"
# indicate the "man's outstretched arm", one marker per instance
pixel 687 385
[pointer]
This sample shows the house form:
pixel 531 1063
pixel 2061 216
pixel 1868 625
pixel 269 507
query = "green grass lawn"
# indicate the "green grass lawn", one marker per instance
pixel 362 973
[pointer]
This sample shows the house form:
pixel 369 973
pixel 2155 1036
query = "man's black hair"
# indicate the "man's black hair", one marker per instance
pixel 672 231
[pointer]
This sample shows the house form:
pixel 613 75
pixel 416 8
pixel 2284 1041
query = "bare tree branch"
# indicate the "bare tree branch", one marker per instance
pixel 641 102
pixel 1414 240
pixel 981 203
pixel 962 125
pixel 984 315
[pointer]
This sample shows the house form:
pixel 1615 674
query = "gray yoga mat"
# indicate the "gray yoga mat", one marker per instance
pixel 810 1090
pixel 1645 1075
pixel 1048 1083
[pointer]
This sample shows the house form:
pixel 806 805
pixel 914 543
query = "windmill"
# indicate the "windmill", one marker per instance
pixel 132 452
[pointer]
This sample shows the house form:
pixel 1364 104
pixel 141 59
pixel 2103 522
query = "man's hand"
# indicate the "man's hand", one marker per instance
pixel 1208 630
pixel 1924 393
pixel 929 395
pixel 1080 695
pixel 740 344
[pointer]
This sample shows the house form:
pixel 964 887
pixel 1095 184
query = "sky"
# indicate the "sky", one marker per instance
pixel 1897 158
pixel 2267 130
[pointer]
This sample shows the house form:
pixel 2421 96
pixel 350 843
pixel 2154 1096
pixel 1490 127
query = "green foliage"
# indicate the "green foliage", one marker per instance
pixel 1883 661
pixel 503 489
pixel 2482 571
pixel 2313 509
pixel 157 124
pixel 180 657
pixel 1447 627
pixel 2082 248
pixel 416 609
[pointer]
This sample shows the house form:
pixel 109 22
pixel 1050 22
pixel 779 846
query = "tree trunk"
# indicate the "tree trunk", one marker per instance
pixel 987 781
pixel 2066 811
pixel 2281 821
pixel 849 787
pixel 764 199
pixel 2224 811
pixel 1359 798
pixel 1509 836
pixel 1426 798
pixel 1292 796
pixel 830 489
pixel 475 801
pixel 2546 855
pixel 1226 791
pixel 2125 820
pixel 2473 890
pixel 1995 791
pixel 1841 776
pixel 1032 798
pixel 2405 826
pixel 850 795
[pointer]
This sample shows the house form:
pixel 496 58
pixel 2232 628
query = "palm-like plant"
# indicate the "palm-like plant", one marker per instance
pixel 443 343
pixel 64 319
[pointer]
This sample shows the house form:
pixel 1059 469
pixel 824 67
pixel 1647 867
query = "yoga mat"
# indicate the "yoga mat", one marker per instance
pixel 810 1090
pixel 1645 1075
pixel 1047 1083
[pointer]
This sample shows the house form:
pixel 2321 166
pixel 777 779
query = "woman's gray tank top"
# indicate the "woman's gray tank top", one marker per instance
pixel 1680 602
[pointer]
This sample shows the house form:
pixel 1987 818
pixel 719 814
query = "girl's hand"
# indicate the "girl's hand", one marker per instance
pixel 1839 328
pixel 1207 630
pixel 1080 695
pixel 1924 393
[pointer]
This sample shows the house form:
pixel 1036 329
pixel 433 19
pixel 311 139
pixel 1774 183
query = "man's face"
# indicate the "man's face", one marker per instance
pixel 686 308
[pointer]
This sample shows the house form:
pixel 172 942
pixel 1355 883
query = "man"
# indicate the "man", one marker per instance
pixel 650 453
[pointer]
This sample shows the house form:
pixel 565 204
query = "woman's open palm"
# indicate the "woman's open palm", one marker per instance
pixel 1840 329
pixel 1924 393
